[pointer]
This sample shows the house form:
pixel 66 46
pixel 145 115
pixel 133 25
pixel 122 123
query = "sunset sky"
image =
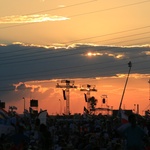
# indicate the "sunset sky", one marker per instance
pixel 43 42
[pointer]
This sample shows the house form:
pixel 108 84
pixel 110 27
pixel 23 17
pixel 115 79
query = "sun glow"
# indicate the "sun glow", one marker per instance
pixel 90 54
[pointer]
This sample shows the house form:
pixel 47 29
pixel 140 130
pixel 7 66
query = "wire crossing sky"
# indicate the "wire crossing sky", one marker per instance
pixel 90 42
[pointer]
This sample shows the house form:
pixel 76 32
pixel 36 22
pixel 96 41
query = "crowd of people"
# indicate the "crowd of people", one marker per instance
pixel 79 132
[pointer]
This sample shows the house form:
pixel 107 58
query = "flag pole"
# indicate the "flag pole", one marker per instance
pixel 129 65
pixel 24 105
pixel 149 89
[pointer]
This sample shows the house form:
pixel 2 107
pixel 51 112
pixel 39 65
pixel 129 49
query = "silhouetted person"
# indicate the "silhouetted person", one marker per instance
pixel 45 137
pixel 19 140
pixel 134 135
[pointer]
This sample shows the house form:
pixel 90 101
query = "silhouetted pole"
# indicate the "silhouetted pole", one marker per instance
pixel 149 90
pixel 129 65
pixel 60 107
pixel 24 105
pixel 69 84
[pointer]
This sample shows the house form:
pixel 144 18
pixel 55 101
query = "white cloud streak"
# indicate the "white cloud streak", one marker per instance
pixel 30 18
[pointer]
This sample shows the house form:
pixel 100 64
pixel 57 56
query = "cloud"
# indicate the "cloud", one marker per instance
pixel 30 18
pixel 147 52
pixel 61 6
pixel 22 86
pixel 21 62
pixel 27 69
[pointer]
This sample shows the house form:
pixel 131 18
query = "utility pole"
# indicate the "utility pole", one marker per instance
pixel 60 107
pixel 66 92
pixel 88 89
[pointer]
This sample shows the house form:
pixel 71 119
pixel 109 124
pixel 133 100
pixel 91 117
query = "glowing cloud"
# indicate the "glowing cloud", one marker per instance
pixel 31 18
pixel 117 56
pixel 147 52
pixel 3 45
pixel 61 6
pixel 90 54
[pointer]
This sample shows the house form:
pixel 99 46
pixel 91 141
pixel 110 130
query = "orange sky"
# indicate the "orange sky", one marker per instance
pixel 137 92
pixel 48 22
pixel 45 23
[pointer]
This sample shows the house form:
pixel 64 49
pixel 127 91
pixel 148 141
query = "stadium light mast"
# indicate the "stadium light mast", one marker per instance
pixel 88 88
pixel 66 92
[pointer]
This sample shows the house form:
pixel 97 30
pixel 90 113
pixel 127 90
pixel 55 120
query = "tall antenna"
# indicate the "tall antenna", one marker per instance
pixel 88 88
pixel 129 65
pixel 66 92
pixel 148 99
pixel 149 91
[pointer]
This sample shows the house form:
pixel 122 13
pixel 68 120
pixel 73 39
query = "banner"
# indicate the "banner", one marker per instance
pixel 43 117
pixel 33 103
pixel 124 117
pixel 64 95
pixel 85 97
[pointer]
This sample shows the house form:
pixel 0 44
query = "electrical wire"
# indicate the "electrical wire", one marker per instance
pixel 71 16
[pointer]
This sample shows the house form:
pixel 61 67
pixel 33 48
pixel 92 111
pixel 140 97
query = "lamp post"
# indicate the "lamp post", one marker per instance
pixel 60 107
pixel 24 104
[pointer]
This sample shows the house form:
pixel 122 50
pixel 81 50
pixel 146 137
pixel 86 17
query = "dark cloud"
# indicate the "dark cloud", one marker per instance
pixel 20 63
pixel 22 66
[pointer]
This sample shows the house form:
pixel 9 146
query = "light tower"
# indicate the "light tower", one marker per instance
pixel 104 102
pixel 88 88
pixel 66 92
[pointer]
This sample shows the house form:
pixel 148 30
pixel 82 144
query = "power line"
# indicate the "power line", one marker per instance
pixel 61 69
pixel 113 8
pixel 58 56
pixel 39 52
pixel 114 33
pixel 87 75
pixel 64 68
pixel 49 10
pixel 90 72
pixel 117 7
pixel 129 30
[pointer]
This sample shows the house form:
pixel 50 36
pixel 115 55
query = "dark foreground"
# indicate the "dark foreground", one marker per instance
pixel 78 132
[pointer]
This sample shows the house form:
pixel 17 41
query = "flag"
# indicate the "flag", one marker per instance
pixel 124 117
pixel 64 95
pixel 3 114
pixel 85 97
pixel 26 111
pixel 43 117
pixel 85 110
pixel 122 127
pixel 31 110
